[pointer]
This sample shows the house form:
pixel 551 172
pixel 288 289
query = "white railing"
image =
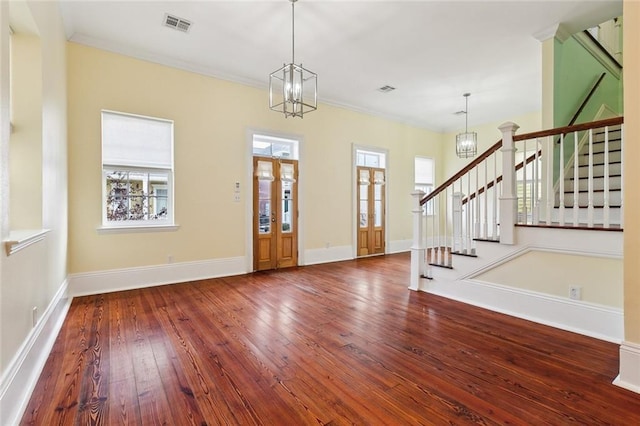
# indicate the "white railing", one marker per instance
pixel 515 183
pixel 580 185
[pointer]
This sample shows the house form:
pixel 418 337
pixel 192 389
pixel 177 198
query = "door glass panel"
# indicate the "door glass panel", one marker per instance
pixel 287 204
pixel 364 206
pixel 377 205
pixel 264 206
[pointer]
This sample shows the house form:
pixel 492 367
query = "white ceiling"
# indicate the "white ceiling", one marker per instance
pixel 431 51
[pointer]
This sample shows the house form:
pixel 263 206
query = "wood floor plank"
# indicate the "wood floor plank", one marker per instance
pixel 93 407
pixel 341 343
pixel 123 408
pixel 151 398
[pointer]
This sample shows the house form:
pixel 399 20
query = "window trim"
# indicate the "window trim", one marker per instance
pixel 167 223
pixel 426 211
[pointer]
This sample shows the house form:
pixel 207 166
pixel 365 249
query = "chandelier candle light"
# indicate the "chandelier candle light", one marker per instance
pixel 467 142
pixel 293 90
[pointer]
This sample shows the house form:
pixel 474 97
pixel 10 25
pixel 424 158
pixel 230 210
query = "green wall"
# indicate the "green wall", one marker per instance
pixel 575 72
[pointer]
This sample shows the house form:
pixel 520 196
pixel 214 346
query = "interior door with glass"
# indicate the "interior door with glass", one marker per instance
pixel 275 206
pixel 371 204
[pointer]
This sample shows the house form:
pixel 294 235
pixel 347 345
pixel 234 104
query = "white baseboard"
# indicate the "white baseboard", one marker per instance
pixel 598 321
pixel 629 377
pixel 149 276
pixel 23 371
pixel 327 255
pixel 399 246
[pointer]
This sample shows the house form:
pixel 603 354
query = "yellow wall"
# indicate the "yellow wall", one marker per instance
pixel 32 277
pixel 211 120
pixel 25 164
pixel 600 278
pixel 488 135
pixel 631 41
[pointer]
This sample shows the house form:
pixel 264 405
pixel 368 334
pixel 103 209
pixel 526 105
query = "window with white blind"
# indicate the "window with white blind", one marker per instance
pixel 423 180
pixel 137 170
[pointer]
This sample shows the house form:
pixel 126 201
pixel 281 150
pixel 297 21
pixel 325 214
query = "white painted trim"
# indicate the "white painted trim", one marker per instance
pixel 598 321
pixel 399 246
pixel 249 132
pixel 23 371
pixel 629 377
pixel 154 275
pixel 329 254
pixel 136 229
pixel 354 188
pixel 556 30
pixel 20 239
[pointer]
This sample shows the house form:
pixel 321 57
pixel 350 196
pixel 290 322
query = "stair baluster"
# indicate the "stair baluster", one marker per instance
pixel 605 214
pixel 561 179
pixel 494 234
pixel 590 182
pixel 576 181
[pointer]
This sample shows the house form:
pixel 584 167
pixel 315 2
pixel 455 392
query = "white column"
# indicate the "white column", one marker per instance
pixel 508 199
pixel 417 248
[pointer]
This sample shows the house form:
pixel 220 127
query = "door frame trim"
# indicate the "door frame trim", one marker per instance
pixel 355 147
pixel 248 198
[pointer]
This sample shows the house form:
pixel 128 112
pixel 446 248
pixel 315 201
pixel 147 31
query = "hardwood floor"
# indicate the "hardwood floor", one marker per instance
pixel 342 343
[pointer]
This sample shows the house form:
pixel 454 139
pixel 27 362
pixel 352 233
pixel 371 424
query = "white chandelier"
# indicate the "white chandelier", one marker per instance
pixel 293 90
pixel 467 142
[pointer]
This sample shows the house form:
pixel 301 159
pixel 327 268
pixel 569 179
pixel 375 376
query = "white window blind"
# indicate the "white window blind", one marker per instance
pixel 424 170
pixel 130 140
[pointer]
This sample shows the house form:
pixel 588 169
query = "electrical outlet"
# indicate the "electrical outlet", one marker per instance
pixel 575 292
pixel 170 258
pixel 236 197
pixel 34 316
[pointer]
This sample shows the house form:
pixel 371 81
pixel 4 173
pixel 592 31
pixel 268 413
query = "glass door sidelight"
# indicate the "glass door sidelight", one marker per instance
pixel 275 207
pixel 371 210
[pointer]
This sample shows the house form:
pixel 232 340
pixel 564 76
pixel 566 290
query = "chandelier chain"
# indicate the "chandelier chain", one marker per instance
pixel 293 32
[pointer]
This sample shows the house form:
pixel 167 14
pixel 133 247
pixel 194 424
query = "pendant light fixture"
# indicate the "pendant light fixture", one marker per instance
pixel 467 142
pixel 293 90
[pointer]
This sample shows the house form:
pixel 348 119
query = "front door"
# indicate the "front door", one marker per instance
pixel 275 208
pixel 371 202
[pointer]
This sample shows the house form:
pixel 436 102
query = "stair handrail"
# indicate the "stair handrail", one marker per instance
pixel 585 101
pixel 525 136
pixel 614 121
pixel 479 159
pixel 602 48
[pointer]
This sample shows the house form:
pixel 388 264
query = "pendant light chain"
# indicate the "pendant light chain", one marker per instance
pixel 293 32
pixel 466 113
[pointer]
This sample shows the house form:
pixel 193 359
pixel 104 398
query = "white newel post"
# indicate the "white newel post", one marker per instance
pixel 508 198
pixel 417 248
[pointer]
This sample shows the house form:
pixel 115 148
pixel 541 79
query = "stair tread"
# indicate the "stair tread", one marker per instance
pixel 459 253
pixel 585 191
pixel 570 206
pixel 602 152
pixel 441 266
pixel 599 164
pixel 595 177
pixel 581 226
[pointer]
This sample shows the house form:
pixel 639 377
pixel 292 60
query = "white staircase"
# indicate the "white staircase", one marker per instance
pixel 507 194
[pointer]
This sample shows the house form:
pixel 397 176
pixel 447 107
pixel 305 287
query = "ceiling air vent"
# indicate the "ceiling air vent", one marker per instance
pixel 386 89
pixel 176 23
